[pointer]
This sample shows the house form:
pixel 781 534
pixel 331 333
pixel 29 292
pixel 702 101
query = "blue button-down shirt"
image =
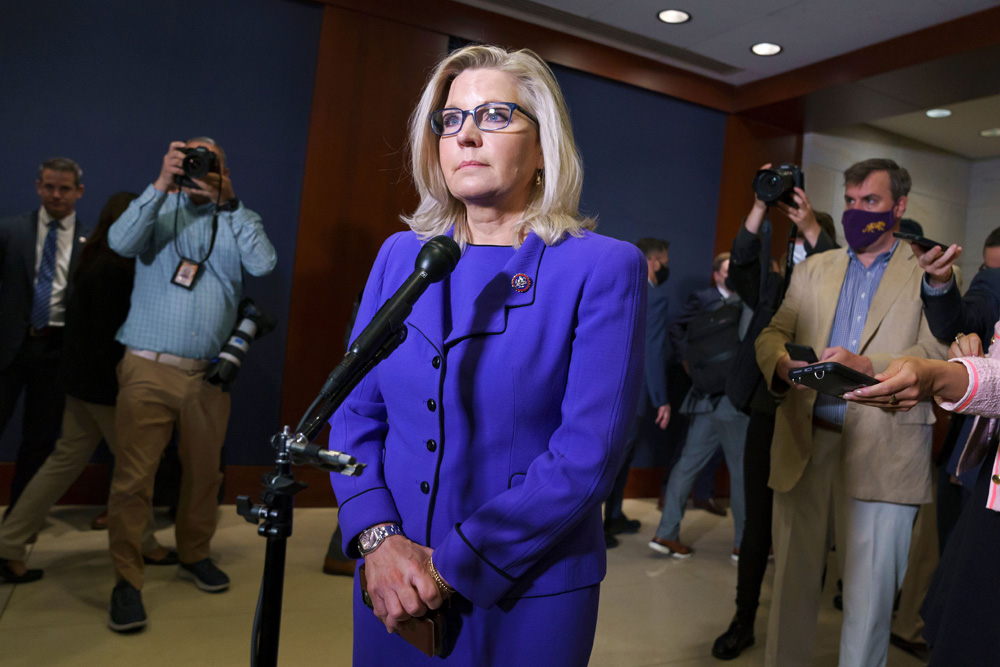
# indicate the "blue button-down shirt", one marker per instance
pixel 168 318
pixel 856 295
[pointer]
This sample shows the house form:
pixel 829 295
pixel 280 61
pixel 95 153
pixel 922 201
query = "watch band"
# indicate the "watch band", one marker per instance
pixel 229 205
pixel 371 539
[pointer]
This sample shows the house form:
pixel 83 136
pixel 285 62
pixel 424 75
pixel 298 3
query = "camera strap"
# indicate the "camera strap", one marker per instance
pixel 789 258
pixel 189 270
pixel 765 254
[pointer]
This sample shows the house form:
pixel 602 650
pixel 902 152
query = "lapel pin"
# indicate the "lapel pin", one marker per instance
pixel 520 282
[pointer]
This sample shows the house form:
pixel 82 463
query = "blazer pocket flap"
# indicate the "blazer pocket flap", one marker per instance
pixel 921 413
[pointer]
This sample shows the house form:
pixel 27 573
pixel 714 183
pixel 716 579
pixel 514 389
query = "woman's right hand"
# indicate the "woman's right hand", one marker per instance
pixel 399 581
pixel 966 345
pixel 909 380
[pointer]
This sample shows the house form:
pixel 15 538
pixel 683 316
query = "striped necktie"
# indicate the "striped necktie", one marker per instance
pixel 43 284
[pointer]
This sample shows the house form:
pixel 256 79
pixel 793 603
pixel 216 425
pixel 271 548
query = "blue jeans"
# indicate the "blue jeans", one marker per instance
pixel 723 427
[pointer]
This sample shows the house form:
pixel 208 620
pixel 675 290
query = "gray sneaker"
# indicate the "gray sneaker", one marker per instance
pixel 205 575
pixel 126 613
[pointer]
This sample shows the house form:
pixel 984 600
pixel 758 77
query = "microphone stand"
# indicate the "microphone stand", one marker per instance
pixel 277 500
pixel 436 259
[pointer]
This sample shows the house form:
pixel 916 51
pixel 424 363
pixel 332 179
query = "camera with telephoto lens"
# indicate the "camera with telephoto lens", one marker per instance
pixel 252 323
pixel 197 163
pixel 778 184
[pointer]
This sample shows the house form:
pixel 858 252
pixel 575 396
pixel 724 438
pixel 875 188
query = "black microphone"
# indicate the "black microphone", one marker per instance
pixel 436 259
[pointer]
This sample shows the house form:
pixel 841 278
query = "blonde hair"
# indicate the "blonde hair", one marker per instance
pixel 553 207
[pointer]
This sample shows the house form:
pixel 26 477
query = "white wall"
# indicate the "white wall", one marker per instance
pixel 955 199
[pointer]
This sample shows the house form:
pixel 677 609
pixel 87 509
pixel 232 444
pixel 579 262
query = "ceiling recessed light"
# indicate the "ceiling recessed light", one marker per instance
pixel 992 132
pixel 766 49
pixel 674 16
pixel 938 113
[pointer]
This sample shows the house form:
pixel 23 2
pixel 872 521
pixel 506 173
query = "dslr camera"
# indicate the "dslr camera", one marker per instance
pixel 252 323
pixel 778 184
pixel 197 163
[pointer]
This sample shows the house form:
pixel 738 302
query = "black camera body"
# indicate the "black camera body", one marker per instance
pixel 251 324
pixel 778 184
pixel 197 163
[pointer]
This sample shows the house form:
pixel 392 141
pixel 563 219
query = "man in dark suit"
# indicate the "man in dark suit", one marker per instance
pixel 38 252
pixel 948 312
pixel 654 394
pixel 715 423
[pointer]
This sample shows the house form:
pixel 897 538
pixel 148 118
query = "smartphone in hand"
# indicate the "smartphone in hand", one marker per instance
pixel 921 241
pixel 830 378
pixel 801 353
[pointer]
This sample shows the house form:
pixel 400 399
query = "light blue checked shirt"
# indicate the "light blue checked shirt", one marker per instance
pixel 856 296
pixel 168 318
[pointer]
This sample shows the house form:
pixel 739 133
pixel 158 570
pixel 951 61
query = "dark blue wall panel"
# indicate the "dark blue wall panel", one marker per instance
pixel 110 83
pixel 652 166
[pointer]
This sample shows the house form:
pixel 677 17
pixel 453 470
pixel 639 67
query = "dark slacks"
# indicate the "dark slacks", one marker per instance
pixel 756 543
pixel 33 372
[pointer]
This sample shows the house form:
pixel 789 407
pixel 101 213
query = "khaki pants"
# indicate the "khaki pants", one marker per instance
pixel 83 426
pixel 153 398
pixel 872 538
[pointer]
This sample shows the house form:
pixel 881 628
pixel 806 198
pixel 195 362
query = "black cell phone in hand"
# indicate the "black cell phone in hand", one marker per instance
pixel 801 353
pixel 921 241
pixel 830 378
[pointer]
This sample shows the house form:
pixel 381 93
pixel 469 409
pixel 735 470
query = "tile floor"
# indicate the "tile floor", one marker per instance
pixel 655 611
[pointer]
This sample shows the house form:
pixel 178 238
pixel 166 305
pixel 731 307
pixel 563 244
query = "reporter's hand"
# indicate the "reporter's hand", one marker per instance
pixel 906 382
pixel 804 217
pixel 757 212
pixel 842 356
pixel 399 581
pixel 171 167
pixel 210 186
pixel 909 380
pixel 966 345
pixel 937 263
pixel 663 416
pixel 785 364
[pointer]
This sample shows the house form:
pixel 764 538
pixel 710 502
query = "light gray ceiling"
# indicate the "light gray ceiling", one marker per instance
pixel 716 44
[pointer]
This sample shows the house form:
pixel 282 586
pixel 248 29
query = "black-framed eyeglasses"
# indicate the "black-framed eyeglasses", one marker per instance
pixel 487 117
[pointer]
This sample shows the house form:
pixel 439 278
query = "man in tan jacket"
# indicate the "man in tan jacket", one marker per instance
pixel 866 469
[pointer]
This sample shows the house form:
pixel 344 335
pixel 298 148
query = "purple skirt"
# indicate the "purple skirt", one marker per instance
pixel 555 630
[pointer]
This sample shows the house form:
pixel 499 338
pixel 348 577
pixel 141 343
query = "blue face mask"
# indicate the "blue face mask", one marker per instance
pixel 863 228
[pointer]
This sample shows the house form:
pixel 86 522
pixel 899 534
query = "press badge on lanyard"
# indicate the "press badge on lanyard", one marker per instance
pixel 188 271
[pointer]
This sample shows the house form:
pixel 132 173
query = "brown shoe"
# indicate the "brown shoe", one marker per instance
pixel 710 507
pixel 670 548
pixel 339 568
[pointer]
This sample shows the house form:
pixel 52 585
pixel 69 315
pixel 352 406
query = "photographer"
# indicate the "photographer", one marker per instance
pixel 192 239
pixel 748 392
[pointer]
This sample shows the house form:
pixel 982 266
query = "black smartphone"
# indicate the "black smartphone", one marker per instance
pixel 801 353
pixel 921 241
pixel 831 378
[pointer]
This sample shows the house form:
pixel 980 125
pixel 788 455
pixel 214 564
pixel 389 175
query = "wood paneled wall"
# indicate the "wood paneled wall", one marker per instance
pixel 369 73
pixel 748 145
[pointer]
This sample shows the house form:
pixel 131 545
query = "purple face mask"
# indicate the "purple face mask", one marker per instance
pixel 863 228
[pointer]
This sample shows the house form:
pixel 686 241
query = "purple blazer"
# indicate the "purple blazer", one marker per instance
pixel 496 444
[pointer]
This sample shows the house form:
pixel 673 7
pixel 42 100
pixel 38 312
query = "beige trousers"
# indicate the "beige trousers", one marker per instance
pixel 153 399
pixel 83 426
pixel 872 539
